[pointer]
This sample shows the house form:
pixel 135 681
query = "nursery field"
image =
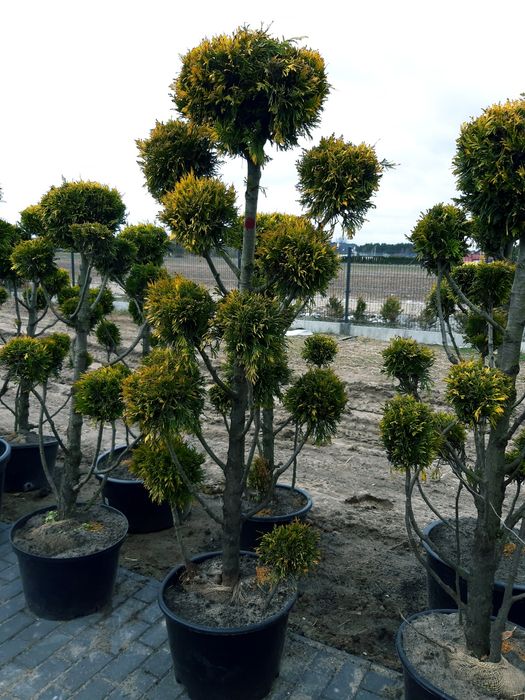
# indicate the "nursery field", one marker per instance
pixel 367 578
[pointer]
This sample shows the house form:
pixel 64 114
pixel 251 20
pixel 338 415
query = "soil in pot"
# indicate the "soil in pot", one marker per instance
pixel 224 648
pixel 433 672
pixel 445 540
pixel 286 505
pixel 25 471
pixel 123 491
pixel 68 568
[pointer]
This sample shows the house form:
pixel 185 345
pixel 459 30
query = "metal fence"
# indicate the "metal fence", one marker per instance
pixel 374 280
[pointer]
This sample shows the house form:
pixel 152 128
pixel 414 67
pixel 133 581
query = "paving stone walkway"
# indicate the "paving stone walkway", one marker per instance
pixel 123 653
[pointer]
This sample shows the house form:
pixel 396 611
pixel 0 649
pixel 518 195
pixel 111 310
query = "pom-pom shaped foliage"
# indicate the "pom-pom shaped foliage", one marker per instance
pixel 109 255
pixel 80 203
pixel 319 350
pixel 252 89
pixel 451 434
pixel 69 298
pixel 34 360
pixel 439 237
pixel 252 327
pixel 136 285
pixel 289 551
pixel 476 392
pixel 173 150
pixel 154 464
pixel 150 242
pixel 408 433
pixel 409 362
pixel 337 181
pixel 199 212
pixel 108 335
pixel 293 256
pixel 316 402
pixel 489 169
pixel 486 284
pixel 9 236
pixel 447 299
pixel 31 221
pixel 98 394
pixel 165 395
pixel 34 260
pixel 179 309
pixel 475 330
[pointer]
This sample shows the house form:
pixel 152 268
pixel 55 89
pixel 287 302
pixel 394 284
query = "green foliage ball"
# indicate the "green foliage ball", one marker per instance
pixel 319 349
pixel 317 401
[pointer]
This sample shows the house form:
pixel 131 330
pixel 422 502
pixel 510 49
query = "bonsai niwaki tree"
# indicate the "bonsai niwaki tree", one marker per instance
pixel 234 106
pixel 481 393
pixel 81 217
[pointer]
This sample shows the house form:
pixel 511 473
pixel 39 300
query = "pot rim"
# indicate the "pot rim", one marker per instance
pixel 217 631
pixel 42 557
pixel 103 455
pixel 6 454
pixel 292 514
pixel 428 549
pixel 407 665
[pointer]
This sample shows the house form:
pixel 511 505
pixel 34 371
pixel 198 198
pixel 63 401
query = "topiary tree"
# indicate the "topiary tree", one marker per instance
pixel 251 91
pixel 481 393
pixel 81 217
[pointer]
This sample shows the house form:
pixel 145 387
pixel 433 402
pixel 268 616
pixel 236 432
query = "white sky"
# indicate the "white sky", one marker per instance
pixel 80 81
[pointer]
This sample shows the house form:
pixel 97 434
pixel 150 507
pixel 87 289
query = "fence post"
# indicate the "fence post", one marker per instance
pixel 347 283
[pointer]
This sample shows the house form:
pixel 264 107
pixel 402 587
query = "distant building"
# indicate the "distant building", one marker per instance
pixel 474 256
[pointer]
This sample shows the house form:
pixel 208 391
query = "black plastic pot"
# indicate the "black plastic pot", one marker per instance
pixel 238 663
pixel 437 598
pixel 68 587
pixel 258 525
pixel 5 454
pixel 131 498
pixel 417 687
pixel 25 471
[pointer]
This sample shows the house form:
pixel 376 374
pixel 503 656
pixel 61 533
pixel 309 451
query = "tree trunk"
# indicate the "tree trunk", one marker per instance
pixel 268 443
pixel 231 530
pixel 487 541
pixel 71 470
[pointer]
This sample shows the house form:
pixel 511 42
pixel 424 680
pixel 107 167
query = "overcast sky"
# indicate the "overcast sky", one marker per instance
pixel 81 80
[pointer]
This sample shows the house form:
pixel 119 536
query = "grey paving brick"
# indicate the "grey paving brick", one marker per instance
pixel 158 663
pixel 155 635
pixel 378 683
pixel 8 572
pixel 347 681
pixel 82 671
pixel 95 689
pixel 8 676
pixel 151 613
pixel 12 606
pixel 127 662
pixel 43 649
pixel 13 625
pixel 148 593
pixel 134 686
pixel 166 689
pixel 32 681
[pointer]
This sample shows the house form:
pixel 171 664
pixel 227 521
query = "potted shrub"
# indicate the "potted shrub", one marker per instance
pixel 30 267
pixel 79 216
pixel 275 98
pixel 482 395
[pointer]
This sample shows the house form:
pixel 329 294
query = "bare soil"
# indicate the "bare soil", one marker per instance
pixel 368 577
